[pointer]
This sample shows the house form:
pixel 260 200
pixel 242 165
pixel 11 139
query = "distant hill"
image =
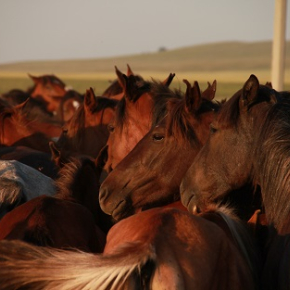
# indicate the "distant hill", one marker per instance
pixel 223 56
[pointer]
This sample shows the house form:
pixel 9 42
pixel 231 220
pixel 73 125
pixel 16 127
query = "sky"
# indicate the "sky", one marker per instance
pixel 80 29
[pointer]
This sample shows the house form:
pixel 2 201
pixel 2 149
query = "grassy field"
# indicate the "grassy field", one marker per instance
pixel 230 63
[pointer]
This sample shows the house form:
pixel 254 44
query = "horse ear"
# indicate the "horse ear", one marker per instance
pixel 130 89
pixel 102 157
pixel 21 105
pixel 120 77
pixel 192 97
pixel 129 71
pixel 35 79
pixel 209 93
pixel 168 80
pixel 249 92
pixel 89 100
pixel 55 153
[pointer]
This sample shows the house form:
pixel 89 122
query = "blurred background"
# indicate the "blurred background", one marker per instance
pixel 81 41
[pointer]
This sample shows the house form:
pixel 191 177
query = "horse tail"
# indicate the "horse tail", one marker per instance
pixel 23 265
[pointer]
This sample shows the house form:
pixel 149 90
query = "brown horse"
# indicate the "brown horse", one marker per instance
pixel 17 130
pixel 116 89
pixel 133 118
pixel 151 173
pixel 49 89
pixel 86 132
pixel 249 143
pixel 66 220
pixel 68 105
pixel 155 249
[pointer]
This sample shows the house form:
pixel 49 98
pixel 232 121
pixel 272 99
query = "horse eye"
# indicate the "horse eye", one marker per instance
pixel 212 129
pixel 111 128
pixel 158 137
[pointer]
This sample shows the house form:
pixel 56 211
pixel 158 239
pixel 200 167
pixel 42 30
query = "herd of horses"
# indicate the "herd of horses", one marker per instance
pixel 144 187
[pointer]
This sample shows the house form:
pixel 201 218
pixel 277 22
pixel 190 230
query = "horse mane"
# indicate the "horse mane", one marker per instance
pixel 17 117
pixel 140 88
pixel 62 269
pixel 161 95
pixel 242 236
pixel 69 174
pixel 181 124
pixel 231 108
pixel 113 89
pixel 273 145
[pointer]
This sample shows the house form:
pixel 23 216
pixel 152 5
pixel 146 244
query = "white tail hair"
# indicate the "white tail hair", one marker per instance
pixel 32 267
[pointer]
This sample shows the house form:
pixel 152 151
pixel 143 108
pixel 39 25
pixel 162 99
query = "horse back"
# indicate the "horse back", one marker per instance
pixel 48 221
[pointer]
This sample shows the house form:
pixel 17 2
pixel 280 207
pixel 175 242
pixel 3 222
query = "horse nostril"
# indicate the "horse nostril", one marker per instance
pixel 102 193
pixel 195 209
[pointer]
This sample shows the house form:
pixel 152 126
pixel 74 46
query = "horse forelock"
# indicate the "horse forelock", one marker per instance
pixel 242 237
pixel 182 125
pixel 161 95
pixel 230 111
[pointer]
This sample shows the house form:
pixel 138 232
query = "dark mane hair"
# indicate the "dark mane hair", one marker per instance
pixel 69 176
pixel 113 89
pixel 230 112
pixel 139 88
pixel 161 95
pixel 181 124
pixel 274 148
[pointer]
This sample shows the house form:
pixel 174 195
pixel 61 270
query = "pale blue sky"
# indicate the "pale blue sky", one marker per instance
pixel 69 29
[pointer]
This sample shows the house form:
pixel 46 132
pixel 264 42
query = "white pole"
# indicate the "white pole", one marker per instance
pixel 278 48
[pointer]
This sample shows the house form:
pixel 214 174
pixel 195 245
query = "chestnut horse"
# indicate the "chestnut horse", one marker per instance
pixel 17 130
pixel 160 248
pixel 151 173
pixel 86 132
pixel 134 113
pixel 250 143
pixel 49 89
pixel 116 89
pixel 66 220
pixel 68 105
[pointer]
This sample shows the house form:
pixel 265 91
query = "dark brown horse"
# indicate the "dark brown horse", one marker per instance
pixel 159 248
pixel 249 143
pixel 86 132
pixel 36 159
pixel 151 173
pixel 68 219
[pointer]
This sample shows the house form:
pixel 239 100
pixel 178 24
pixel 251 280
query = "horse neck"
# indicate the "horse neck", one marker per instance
pixel 239 234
